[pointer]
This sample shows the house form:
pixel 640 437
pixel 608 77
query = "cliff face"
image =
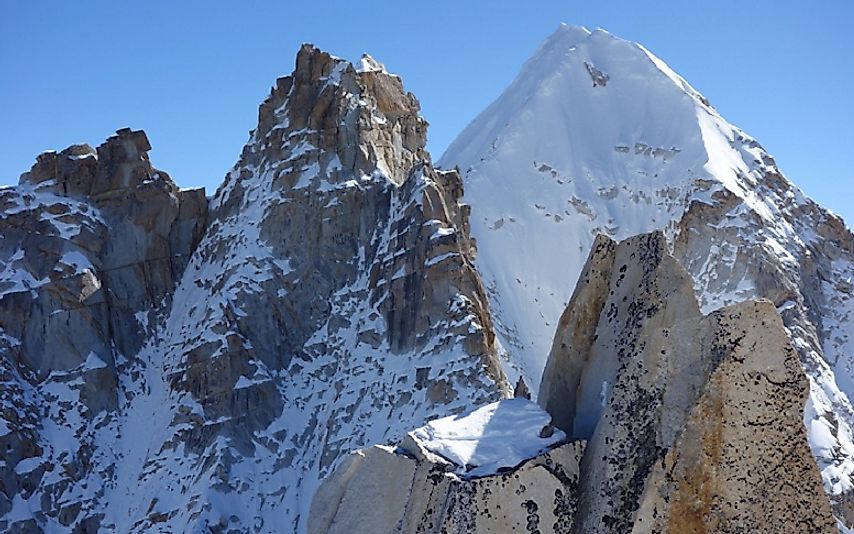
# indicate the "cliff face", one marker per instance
pixel 502 468
pixel 181 363
pixel 106 232
pixel 340 301
pixel 93 241
pixel 228 359
pixel 667 420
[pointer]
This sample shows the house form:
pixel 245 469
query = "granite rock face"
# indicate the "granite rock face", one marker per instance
pixel 802 263
pixel 674 421
pixel 92 242
pixel 693 422
pixel 331 303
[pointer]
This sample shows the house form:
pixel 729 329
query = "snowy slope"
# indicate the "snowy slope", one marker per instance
pixel 597 135
pixel 558 158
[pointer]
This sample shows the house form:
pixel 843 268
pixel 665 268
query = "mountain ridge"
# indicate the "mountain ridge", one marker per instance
pixel 332 281
pixel 219 356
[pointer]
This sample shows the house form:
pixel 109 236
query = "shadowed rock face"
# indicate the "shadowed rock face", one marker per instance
pixel 694 422
pixel 229 358
pixel 104 235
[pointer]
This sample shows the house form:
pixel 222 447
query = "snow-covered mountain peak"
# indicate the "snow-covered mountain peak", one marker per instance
pixel 565 36
pixel 595 78
pixel 595 133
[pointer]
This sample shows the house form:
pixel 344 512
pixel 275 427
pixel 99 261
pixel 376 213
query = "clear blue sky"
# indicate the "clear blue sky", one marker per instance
pixel 192 73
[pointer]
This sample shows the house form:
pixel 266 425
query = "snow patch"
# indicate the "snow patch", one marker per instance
pixel 492 438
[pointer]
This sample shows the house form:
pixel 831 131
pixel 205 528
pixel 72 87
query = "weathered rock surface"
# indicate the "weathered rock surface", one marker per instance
pixel 693 422
pixel 178 364
pixel 410 489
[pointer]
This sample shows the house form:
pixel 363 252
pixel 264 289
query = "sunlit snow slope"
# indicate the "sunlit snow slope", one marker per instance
pixel 597 135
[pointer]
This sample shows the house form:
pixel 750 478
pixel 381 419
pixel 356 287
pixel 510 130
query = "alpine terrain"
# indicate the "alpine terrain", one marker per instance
pixel 328 343
pixel 596 135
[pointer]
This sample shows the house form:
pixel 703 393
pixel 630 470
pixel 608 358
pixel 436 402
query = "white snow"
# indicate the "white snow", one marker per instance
pixel 440 258
pixel 499 435
pixel 93 361
pixel 369 64
pixel 788 305
pixel 14 276
pixel 27 464
pixel 77 260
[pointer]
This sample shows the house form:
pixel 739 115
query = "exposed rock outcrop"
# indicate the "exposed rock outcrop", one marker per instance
pixel 677 422
pixel 100 236
pixel 91 242
pixel 693 422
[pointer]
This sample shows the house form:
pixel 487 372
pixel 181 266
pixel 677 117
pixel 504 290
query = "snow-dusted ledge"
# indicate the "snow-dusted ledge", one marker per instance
pixel 491 439
pixel 500 468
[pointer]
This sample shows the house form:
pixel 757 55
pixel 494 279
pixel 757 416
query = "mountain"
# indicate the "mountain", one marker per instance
pixel 596 135
pixel 177 363
pixel 667 420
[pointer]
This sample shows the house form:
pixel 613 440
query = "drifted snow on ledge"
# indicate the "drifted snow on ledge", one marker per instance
pixel 491 439
pixel 500 468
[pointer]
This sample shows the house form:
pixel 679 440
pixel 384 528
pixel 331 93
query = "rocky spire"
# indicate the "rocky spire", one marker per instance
pixel 93 244
pixel 693 422
pixel 202 363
